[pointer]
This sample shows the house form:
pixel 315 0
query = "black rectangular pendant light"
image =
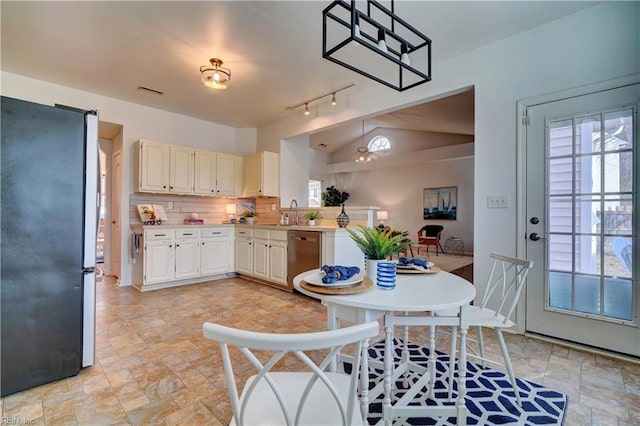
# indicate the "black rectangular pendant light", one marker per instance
pixel 376 43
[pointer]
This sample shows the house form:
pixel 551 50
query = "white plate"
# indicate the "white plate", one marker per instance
pixel 315 278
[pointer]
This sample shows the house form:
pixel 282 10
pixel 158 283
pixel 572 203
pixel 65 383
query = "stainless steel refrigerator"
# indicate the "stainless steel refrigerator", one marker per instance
pixel 49 214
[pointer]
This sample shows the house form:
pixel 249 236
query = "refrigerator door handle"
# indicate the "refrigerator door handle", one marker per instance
pixel 91 188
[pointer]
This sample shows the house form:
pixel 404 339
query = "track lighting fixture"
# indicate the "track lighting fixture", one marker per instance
pixel 306 102
pixel 381 38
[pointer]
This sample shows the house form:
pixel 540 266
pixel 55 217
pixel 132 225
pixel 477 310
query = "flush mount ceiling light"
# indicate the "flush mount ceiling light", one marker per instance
pixel 306 102
pixel 214 75
pixel 363 154
pixel 376 43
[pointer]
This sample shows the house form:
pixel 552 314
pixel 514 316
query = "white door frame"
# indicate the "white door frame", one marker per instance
pixel 521 163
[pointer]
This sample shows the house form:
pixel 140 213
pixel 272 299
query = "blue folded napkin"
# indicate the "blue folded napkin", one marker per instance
pixel 405 261
pixel 338 273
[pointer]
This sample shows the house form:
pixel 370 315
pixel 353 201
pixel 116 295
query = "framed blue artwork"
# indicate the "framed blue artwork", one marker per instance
pixel 440 203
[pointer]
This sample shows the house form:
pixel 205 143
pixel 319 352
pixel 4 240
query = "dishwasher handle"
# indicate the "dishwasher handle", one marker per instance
pixel 310 239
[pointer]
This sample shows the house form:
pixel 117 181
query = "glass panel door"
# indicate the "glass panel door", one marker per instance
pixel 582 156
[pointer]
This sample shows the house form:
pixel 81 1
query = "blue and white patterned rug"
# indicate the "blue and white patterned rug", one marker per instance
pixel 490 399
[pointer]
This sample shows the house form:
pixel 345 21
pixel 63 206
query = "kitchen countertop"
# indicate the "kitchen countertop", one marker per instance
pixel 243 225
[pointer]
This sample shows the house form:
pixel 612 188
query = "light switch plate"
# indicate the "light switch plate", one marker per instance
pixel 500 201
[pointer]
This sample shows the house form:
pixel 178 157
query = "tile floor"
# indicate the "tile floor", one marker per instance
pixel 154 367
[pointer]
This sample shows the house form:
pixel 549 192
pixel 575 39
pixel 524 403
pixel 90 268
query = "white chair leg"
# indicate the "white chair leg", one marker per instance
pixel 364 380
pixel 507 364
pixel 452 359
pixel 481 345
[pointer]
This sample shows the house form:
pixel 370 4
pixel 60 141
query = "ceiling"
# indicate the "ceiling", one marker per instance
pixel 273 49
pixel 452 114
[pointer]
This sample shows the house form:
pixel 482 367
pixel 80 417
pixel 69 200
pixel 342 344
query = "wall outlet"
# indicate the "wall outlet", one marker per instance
pixel 500 201
pixel 273 206
pixel 170 205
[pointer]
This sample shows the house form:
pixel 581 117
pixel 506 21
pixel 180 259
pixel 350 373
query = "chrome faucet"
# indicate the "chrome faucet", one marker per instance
pixel 291 206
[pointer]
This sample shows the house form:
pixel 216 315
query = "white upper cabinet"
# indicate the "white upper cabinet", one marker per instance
pixel 214 173
pixel 225 176
pixel 262 175
pixel 153 167
pixel 205 173
pixel 181 170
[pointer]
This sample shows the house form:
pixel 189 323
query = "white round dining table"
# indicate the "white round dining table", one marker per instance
pixel 411 303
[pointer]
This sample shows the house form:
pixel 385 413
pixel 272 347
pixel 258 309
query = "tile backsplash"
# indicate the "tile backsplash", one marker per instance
pixel 213 210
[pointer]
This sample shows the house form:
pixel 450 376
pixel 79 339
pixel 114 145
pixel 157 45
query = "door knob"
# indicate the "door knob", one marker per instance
pixel 114 222
pixel 534 236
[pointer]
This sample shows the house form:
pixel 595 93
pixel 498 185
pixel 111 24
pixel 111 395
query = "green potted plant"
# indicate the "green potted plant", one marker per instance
pixel 250 215
pixel 312 216
pixel 334 197
pixel 377 245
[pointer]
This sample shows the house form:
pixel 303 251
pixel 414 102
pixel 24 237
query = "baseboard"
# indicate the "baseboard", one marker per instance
pixel 585 348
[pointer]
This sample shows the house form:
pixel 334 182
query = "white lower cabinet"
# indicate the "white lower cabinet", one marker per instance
pixel 244 251
pixel 187 259
pixel 278 262
pixel 177 256
pixel 261 258
pixel 262 253
pixel 216 251
pixel 158 261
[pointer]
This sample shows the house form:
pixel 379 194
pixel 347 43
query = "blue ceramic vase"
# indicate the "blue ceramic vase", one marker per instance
pixel 386 275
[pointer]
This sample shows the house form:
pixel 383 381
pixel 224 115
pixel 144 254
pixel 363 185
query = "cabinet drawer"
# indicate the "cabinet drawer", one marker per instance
pixel 278 235
pixel 160 234
pixel 261 233
pixel 215 233
pixel 244 232
pixel 186 233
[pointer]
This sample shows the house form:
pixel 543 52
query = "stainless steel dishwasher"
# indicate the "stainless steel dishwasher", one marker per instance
pixel 304 252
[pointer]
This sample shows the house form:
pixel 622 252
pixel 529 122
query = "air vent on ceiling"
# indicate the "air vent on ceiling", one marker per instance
pixel 147 89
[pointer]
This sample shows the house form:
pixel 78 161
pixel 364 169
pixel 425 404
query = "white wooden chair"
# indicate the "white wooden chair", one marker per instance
pixel 505 284
pixel 310 397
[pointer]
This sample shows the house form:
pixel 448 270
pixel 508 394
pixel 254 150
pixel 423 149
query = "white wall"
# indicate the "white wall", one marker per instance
pixel 597 44
pixel 294 153
pixel 399 190
pixel 139 122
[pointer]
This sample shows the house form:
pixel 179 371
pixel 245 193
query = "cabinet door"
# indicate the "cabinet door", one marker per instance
pixel 153 167
pixel 244 256
pixel 215 256
pixel 278 262
pixel 205 173
pixel 252 175
pixel 158 261
pixel 225 176
pixel 187 259
pixel 261 258
pixel 181 170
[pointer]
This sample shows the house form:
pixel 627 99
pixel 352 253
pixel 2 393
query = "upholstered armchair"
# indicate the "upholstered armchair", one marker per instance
pixel 429 235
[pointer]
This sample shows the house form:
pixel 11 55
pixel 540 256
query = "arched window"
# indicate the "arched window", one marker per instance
pixel 379 143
